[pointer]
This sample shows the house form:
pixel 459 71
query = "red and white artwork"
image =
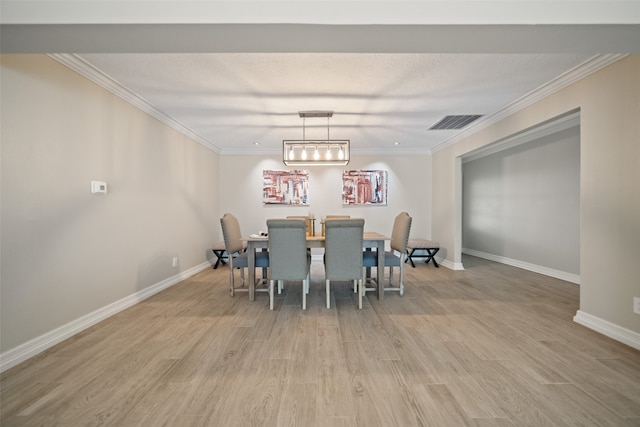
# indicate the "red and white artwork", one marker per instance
pixel 285 187
pixel 364 187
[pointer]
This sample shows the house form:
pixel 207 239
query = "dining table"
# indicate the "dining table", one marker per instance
pixel 371 240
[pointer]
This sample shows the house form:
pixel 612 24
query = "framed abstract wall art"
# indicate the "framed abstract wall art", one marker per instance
pixel 364 187
pixel 285 187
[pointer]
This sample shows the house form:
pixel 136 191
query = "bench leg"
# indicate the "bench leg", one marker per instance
pixel 221 258
pixel 432 253
pixel 409 258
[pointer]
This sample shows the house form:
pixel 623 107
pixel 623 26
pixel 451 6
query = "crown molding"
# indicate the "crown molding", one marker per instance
pixel 557 124
pixel 103 80
pixel 579 72
pixel 79 65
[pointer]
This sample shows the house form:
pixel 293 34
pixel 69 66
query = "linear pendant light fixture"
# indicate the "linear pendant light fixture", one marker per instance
pixel 327 152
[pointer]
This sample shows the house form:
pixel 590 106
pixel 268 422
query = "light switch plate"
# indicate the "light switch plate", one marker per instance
pixel 98 187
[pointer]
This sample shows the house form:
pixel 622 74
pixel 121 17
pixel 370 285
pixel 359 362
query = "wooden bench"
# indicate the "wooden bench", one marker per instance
pixel 430 247
pixel 220 251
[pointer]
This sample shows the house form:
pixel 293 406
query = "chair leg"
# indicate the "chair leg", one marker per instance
pixel 360 292
pixel 328 286
pixel 401 280
pixel 304 293
pixel 365 280
pixel 271 290
pixel 231 286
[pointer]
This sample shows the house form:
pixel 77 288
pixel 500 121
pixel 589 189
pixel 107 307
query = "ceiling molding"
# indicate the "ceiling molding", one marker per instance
pixel 590 66
pixel 85 69
pixel 550 127
pixel 585 69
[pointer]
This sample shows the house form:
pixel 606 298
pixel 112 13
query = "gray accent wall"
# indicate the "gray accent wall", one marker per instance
pixel 523 203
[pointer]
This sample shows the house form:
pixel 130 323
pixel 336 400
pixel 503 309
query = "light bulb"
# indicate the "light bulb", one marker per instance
pixel 304 154
pixel 291 155
pixel 341 154
pixel 316 155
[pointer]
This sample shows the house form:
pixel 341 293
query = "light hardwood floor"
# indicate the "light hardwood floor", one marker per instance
pixel 489 346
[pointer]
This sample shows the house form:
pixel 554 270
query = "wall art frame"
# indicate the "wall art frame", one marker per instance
pixel 364 187
pixel 285 187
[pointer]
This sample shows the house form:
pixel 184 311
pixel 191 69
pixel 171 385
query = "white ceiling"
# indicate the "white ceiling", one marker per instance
pixel 233 84
pixel 235 100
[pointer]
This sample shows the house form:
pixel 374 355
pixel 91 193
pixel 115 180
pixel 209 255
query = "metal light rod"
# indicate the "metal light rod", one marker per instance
pixel 315 113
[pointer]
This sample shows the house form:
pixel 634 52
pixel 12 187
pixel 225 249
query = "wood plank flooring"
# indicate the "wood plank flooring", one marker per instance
pixel 492 345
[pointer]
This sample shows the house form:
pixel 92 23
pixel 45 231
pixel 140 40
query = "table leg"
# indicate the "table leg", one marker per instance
pixel 380 269
pixel 252 270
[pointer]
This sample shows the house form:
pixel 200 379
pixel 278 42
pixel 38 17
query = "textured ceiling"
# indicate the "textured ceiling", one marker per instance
pixel 379 100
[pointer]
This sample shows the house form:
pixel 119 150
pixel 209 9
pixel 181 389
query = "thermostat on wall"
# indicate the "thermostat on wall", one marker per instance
pixel 98 187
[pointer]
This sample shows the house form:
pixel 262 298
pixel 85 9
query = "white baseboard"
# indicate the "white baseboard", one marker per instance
pixel 562 275
pixel 609 329
pixel 25 351
pixel 449 264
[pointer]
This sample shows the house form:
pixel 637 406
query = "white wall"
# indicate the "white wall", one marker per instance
pixel 409 190
pixel 609 103
pixel 67 252
pixel 523 203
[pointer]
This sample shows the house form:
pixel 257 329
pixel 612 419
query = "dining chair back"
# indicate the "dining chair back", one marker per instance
pixel 237 254
pixel 288 257
pixel 343 253
pixel 396 256
pixel 308 222
pixel 325 218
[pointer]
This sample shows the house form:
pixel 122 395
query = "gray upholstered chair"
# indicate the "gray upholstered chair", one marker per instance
pixel 288 256
pixel 343 253
pixel 236 252
pixel 396 256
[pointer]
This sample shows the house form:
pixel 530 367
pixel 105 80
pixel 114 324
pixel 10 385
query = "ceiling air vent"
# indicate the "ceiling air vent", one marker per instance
pixel 454 122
